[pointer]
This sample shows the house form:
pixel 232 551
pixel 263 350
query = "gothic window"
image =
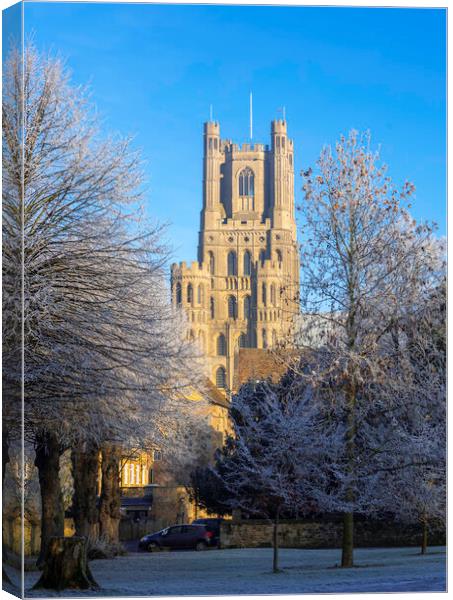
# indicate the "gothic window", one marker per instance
pixel 215 143
pixel 189 294
pixel 274 338
pixel 125 474
pixel 200 294
pixel 263 294
pixel 278 141
pixel 246 183
pixel 279 258
pixel 264 339
pixel 273 295
pixel 262 257
pixel 243 341
pixel 232 307
pixel 283 142
pixel 232 265
pixel 247 307
pixel 132 473
pixel 210 143
pixel 178 293
pixel 220 378
pixel 221 345
pixel 290 158
pixel 211 263
pixel 212 308
pixel 247 263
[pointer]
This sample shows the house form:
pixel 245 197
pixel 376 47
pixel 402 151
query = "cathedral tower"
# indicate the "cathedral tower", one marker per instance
pixel 243 290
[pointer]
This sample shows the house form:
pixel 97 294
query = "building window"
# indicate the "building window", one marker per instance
pixel 200 294
pixel 243 341
pixel 279 258
pixel 132 474
pixel 262 257
pixel 232 264
pixel 189 293
pixel 273 295
pixel 247 263
pixel 125 474
pixel 263 294
pixel 264 339
pixel 232 307
pixel 137 474
pixel 274 338
pixel 221 345
pixel 220 378
pixel 210 143
pixel 247 307
pixel 178 293
pixel 211 263
pixel 212 308
pixel 246 183
pixel 157 455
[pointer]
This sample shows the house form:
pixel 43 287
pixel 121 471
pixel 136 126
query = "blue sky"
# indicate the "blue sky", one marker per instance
pixel 155 69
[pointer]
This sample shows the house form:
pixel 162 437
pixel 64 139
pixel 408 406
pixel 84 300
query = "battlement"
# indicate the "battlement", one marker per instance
pixel 278 126
pixel 183 270
pixel 212 128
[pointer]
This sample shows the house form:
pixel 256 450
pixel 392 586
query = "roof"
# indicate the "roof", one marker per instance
pixel 257 363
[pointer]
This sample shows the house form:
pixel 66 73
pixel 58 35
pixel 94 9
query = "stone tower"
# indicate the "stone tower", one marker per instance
pixel 243 290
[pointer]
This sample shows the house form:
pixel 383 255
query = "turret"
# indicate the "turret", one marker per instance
pixel 282 177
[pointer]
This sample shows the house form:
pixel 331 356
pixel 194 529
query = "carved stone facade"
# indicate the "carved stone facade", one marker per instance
pixel 243 290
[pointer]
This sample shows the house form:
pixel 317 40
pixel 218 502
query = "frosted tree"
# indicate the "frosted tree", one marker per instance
pixel 102 345
pixel 268 460
pixel 363 264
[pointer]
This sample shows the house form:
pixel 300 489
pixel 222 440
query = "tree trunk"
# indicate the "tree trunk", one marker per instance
pixel 47 460
pixel 109 511
pixel 347 554
pixel 85 465
pixel 424 545
pixel 66 565
pixel 275 567
pixel 5 454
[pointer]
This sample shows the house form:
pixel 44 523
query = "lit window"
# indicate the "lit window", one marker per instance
pixel 132 474
pixel 246 183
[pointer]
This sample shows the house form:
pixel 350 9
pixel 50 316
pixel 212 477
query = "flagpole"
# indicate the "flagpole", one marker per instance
pixel 251 117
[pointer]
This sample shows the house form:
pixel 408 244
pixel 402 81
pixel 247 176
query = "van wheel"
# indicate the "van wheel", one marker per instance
pixel 201 546
pixel 153 547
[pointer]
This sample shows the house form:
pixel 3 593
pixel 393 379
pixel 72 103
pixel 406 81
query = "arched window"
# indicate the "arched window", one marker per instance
pixel 212 308
pixel 264 339
pixel 191 335
pixel 262 257
pixel 246 183
pixel 247 263
pixel 274 338
pixel 220 378
pixel 211 263
pixel 247 307
pixel 263 294
pixel 189 293
pixel 279 258
pixel 243 341
pixel 273 294
pixel 232 264
pixel 232 307
pixel 178 293
pixel 200 294
pixel 221 345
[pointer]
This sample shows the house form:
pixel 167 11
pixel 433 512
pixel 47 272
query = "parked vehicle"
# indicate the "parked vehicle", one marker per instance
pixel 194 536
pixel 212 524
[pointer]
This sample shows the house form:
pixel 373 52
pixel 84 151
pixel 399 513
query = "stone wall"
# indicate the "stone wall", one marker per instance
pixel 322 534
